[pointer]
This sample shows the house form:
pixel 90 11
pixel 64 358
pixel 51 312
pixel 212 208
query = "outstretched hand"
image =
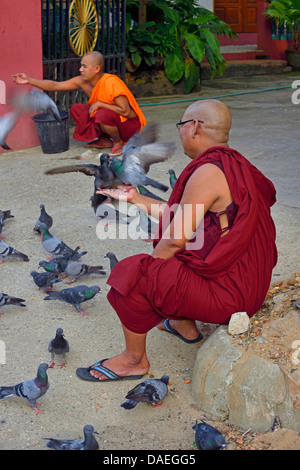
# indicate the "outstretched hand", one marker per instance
pixel 122 193
pixel 20 78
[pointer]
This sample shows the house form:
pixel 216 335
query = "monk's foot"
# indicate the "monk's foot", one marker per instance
pixel 123 365
pixel 186 328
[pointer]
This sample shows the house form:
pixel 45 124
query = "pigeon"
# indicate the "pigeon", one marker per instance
pixel 58 346
pixel 55 265
pixel 74 295
pixel 7 123
pixel 6 299
pixel 31 389
pixel 38 101
pixel 145 192
pixel 53 244
pixel 44 281
pixel 76 269
pixel 103 176
pixel 173 178
pixel 43 218
pixel 112 259
pixel 141 151
pixel 3 216
pixel 150 391
pixel 8 252
pixel 88 443
pixel 207 437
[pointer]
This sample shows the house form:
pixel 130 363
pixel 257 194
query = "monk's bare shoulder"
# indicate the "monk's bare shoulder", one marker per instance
pixel 83 84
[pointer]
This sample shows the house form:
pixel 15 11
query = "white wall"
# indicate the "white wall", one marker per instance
pixel 209 4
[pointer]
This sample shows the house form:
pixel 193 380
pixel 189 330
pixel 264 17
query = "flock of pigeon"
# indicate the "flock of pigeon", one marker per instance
pixel 141 151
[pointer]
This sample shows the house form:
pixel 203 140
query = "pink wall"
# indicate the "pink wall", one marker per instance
pixel 20 51
pixel 274 48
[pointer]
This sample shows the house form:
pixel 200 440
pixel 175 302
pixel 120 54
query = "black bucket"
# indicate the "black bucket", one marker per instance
pixel 53 135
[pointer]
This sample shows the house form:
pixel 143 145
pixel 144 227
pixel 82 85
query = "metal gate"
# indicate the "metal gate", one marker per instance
pixel 60 62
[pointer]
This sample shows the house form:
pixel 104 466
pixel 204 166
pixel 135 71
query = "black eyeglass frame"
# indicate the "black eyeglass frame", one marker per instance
pixel 184 122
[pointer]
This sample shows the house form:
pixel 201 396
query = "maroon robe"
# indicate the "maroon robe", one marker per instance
pixel 234 276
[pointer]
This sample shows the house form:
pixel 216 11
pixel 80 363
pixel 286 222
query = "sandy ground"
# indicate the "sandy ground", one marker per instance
pixel 266 130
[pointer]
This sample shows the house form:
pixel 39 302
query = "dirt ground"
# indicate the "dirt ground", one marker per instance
pixel 71 403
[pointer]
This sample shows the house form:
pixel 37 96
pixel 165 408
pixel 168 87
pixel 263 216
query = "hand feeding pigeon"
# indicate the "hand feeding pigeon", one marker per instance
pixel 8 252
pixel 38 101
pixel 150 391
pixel 43 218
pixel 75 269
pixel 58 346
pixel 7 123
pixel 75 295
pixel 31 389
pixel 6 299
pixel 112 259
pixel 53 244
pixel 207 437
pixel 141 151
pixel 173 178
pixel 88 443
pixel 44 281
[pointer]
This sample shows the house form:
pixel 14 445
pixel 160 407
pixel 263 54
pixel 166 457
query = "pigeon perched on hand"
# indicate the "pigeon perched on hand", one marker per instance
pixel 150 391
pixel 207 437
pixel 113 260
pixel 58 346
pixel 44 281
pixel 7 123
pixel 53 244
pixel 141 151
pixel 31 389
pixel 88 443
pixel 37 100
pixel 75 269
pixel 9 253
pixel 44 218
pixel 6 299
pixel 74 295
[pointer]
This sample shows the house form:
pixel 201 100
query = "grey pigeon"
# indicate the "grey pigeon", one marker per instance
pixel 31 389
pixel 113 260
pixel 173 178
pixel 75 269
pixel 74 295
pixel 43 218
pixel 7 123
pixel 88 443
pixel 150 391
pixel 37 100
pixel 141 151
pixel 44 281
pixel 58 346
pixel 3 216
pixel 53 244
pixel 8 252
pixel 6 299
pixel 207 437
pixel 55 265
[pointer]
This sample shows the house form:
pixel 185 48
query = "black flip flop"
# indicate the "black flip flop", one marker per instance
pixel 84 373
pixel 171 330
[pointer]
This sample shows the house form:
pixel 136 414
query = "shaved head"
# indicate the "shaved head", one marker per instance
pixel 216 117
pixel 96 58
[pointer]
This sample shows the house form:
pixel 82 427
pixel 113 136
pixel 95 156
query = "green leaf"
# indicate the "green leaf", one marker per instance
pixel 170 13
pixel 196 46
pixel 212 42
pixel 191 74
pixel 150 60
pixel 174 66
pixel 136 59
pixel 147 49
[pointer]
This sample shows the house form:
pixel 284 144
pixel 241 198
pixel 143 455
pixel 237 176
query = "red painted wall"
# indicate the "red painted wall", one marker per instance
pixel 274 48
pixel 20 51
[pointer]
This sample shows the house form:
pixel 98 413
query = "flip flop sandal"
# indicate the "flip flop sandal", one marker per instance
pixel 171 330
pixel 84 373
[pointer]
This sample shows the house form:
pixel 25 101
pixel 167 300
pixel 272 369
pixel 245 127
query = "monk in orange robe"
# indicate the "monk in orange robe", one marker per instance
pixel 112 114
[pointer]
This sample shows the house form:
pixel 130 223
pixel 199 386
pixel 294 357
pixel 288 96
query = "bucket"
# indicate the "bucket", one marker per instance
pixel 54 136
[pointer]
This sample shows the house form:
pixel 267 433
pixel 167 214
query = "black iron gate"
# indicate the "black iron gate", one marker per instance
pixel 60 62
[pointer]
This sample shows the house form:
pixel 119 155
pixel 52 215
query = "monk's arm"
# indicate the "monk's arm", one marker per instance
pixel 74 83
pixel 121 106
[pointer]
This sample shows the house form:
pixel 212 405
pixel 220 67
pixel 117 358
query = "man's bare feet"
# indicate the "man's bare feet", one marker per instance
pixel 123 365
pixel 186 328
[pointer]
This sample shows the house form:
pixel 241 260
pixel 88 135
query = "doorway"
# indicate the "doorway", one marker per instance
pixel 240 15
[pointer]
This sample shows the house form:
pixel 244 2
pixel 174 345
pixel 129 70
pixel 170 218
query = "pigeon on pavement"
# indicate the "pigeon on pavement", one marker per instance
pixel 8 252
pixel 173 178
pixel 58 346
pixel 31 389
pixel 76 269
pixel 88 443
pixel 141 151
pixel 6 299
pixel 74 295
pixel 150 391
pixel 43 218
pixel 207 437
pixel 44 281
pixel 37 100
pixel 7 123
pixel 112 259
pixel 53 244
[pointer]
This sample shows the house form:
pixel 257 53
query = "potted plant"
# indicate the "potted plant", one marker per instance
pixel 287 14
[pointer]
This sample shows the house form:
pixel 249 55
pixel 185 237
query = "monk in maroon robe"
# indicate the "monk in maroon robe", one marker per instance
pixel 184 281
